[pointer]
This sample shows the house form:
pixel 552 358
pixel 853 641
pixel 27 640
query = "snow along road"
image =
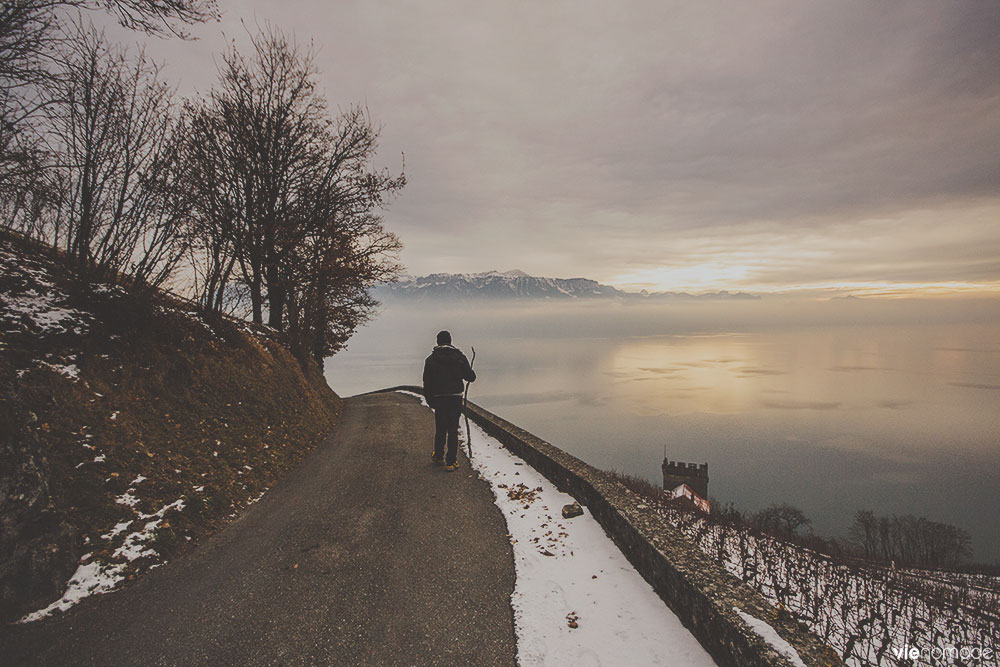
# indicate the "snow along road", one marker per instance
pixel 367 554
pixel 577 600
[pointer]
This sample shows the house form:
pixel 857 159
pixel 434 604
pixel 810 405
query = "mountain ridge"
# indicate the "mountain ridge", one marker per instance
pixel 516 284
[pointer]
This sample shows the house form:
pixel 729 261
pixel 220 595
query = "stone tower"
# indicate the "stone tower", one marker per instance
pixel 694 475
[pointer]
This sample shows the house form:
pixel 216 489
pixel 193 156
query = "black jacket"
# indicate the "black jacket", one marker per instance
pixel 444 372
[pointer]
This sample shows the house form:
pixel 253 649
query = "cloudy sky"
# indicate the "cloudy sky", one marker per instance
pixel 691 146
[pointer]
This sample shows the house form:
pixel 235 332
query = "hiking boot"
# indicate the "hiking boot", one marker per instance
pixel 451 467
pixel 437 459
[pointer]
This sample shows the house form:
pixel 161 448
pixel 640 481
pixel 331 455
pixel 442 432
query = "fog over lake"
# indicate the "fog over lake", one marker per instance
pixel 832 406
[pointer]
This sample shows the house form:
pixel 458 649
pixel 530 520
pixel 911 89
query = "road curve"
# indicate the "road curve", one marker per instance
pixel 366 554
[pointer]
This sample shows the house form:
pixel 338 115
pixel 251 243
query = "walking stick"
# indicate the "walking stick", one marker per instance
pixel 465 408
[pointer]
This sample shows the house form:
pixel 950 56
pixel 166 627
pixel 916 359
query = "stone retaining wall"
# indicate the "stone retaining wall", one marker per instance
pixel 703 595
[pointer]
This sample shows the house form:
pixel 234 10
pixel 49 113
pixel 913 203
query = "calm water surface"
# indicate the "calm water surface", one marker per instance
pixel 832 407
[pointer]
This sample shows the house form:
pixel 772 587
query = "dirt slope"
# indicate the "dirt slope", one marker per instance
pixel 129 427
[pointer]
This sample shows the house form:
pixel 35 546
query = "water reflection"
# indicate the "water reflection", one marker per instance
pixel 683 374
pixel 829 410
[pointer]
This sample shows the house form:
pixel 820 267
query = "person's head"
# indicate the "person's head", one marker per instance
pixel 444 338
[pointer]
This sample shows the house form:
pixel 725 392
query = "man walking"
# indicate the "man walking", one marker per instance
pixel 445 371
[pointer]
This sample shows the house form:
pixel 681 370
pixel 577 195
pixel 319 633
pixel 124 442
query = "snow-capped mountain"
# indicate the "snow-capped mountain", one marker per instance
pixel 493 284
pixel 517 284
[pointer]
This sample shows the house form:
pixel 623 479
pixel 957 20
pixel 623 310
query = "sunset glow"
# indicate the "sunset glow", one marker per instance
pixel 687 281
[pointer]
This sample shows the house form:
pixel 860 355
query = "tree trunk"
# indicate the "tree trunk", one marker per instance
pixel 275 300
pixel 256 301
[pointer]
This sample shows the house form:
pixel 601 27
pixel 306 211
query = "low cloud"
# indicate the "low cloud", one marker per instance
pixel 802 405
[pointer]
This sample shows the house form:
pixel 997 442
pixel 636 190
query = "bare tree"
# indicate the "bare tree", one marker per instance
pixel 255 142
pixel 26 29
pixel 331 277
pixel 781 520
pixel 32 32
pixel 155 16
pixel 116 142
pixel 864 533
pixel 218 207
pixel 286 197
pixel 909 540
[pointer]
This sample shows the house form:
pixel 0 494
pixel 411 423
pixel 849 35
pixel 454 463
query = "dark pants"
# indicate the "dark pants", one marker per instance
pixel 447 410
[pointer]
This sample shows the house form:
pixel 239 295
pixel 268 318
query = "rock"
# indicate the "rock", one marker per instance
pixel 572 510
pixel 39 548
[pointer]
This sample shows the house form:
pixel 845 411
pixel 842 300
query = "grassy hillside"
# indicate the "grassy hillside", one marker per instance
pixel 129 427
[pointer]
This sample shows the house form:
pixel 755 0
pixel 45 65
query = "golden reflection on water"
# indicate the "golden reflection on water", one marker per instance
pixel 826 370
pixel 720 374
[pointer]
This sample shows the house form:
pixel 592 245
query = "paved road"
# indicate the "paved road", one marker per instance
pixel 398 563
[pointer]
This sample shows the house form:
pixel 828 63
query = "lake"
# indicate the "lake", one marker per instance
pixel 831 406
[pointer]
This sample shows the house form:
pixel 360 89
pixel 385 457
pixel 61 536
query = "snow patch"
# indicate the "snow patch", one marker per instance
pixel 109 289
pixel 42 311
pixel 771 636
pixel 127 499
pixel 92 578
pixel 117 530
pixel 134 545
pixel 72 371
pixel 96 577
pixel 576 599
pixel 423 401
pixel 89 579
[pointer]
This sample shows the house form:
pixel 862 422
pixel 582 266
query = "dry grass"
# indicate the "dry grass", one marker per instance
pixel 211 414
